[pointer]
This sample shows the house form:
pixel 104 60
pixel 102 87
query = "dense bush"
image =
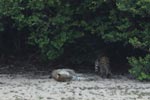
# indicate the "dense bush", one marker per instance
pixel 56 25
pixel 141 67
pixel 138 32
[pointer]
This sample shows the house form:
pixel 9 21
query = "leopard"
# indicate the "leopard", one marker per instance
pixel 102 66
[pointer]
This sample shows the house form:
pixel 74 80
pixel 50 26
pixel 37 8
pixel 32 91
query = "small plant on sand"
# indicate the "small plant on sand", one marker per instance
pixel 40 98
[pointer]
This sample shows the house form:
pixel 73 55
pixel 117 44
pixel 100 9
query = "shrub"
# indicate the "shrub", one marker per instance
pixel 140 67
pixel 138 34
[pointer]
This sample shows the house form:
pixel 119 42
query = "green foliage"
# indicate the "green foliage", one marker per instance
pixel 140 67
pixel 53 25
pixel 138 34
pixel 139 7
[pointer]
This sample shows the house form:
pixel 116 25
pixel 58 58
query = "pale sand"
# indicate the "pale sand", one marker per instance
pixel 28 87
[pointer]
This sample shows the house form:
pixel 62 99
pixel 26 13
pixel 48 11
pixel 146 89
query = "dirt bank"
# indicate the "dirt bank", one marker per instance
pixel 40 87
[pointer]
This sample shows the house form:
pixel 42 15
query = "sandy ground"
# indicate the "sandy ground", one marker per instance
pixel 40 87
